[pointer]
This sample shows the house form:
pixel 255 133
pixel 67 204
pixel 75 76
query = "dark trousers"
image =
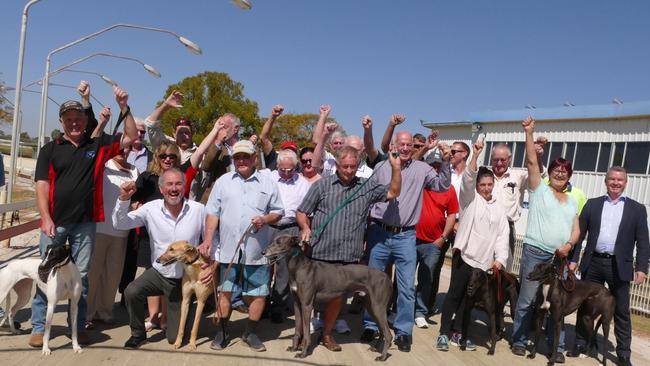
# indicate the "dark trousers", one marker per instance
pixel 460 274
pixel 280 294
pixel 152 283
pixel 603 270
pixel 130 261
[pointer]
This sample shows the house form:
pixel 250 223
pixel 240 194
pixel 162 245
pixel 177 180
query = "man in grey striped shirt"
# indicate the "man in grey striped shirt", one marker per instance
pixel 341 238
pixel 391 234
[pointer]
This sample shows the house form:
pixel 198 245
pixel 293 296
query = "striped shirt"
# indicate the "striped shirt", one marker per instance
pixel 342 238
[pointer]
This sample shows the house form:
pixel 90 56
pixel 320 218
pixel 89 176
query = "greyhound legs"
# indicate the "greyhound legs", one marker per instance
pixel 74 309
pixel 307 307
pixel 298 333
pixel 185 308
pixel 200 303
pixel 539 322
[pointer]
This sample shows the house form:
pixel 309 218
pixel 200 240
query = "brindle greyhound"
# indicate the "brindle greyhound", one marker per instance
pixel 314 281
pixel 594 300
pixel 490 293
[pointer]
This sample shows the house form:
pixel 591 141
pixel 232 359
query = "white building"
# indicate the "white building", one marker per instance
pixel 592 137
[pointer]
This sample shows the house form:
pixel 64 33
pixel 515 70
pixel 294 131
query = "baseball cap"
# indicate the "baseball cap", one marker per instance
pixel 433 158
pixel 289 145
pixel 71 105
pixel 243 146
pixel 184 122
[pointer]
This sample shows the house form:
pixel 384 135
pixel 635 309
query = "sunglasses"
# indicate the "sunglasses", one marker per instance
pixel 418 146
pixel 456 151
pixel 165 156
pixel 305 161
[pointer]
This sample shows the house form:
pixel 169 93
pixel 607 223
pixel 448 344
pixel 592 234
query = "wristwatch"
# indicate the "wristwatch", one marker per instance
pixel 444 239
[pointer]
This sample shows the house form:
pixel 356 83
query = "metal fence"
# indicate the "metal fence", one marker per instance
pixel 639 294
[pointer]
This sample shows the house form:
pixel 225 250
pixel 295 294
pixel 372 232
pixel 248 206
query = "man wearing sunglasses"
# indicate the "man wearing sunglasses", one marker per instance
pixel 140 156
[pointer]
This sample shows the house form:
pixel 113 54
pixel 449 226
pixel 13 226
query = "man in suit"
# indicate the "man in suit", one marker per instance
pixel 614 226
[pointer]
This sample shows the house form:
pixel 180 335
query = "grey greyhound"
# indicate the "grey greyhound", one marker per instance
pixel 314 281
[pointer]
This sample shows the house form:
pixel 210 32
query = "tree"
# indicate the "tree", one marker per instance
pixel 56 133
pixel 209 95
pixel 6 112
pixel 294 127
pixel 24 137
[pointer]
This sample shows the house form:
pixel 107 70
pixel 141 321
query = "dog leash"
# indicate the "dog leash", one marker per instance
pixel 217 292
pixel 571 276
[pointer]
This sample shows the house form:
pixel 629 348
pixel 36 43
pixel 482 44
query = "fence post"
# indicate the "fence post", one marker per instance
pixel 3 199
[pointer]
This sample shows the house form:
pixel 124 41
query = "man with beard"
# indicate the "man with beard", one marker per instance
pixel 169 219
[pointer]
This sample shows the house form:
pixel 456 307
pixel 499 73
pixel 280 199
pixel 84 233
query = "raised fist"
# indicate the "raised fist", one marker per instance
pixel 529 124
pixel 121 97
pixel 277 110
pixel 330 127
pixel 325 109
pixel 127 189
pixel 397 119
pixel 105 115
pixel 84 89
pixel 366 121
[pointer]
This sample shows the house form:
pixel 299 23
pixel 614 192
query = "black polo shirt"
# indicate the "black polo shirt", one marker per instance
pixel 75 176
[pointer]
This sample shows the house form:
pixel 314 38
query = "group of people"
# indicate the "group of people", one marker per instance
pixel 120 205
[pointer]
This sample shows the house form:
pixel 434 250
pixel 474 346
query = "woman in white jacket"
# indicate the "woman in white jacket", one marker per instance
pixel 481 242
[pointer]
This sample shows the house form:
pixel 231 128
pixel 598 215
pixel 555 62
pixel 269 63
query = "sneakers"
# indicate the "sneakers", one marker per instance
pixel 469 346
pixel 442 343
pixel 315 325
pixel 455 339
pixel 421 323
pixel 403 343
pixel 36 340
pixel 518 350
pixel 341 327
pixel 577 351
pixel 254 342
pixel 135 342
pixel 559 358
pixel 220 340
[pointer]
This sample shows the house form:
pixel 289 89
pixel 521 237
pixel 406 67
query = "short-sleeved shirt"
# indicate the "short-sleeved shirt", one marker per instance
pixel 236 201
pixel 75 175
pixel 342 238
pixel 416 176
pixel 436 206
pixel 549 221
pixel 292 192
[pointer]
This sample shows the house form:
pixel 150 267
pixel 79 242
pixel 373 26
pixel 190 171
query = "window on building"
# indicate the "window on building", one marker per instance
pixel 547 153
pixel 619 153
pixel 488 153
pixel 603 159
pixel 636 157
pixel 520 153
pixel 570 151
pixel 586 156
pixel 556 150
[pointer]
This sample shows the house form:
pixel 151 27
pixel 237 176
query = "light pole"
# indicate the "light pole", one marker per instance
pixel 15 127
pixel 150 69
pixel 191 46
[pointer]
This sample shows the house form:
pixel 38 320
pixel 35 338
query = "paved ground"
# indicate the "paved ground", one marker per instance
pixel 107 342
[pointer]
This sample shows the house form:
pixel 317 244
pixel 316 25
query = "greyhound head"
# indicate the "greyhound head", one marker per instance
pixel 179 251
pixel 55 256
pixel 543 272
pixel 477 279
pixel 281 246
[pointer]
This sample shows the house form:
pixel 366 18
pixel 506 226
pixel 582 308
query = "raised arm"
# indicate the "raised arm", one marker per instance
pixel 122 218
pixel 217 133
pixel 322 136
pixel 156 135
pixel 267 145
pixel 368 139
pixel 104 117
pixel 130 130
pixel 532 163
pixel 395 187
pixel 432 142
pixel 395 120
pixel 84 92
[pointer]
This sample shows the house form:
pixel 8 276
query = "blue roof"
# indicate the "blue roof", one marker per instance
pixel 598 111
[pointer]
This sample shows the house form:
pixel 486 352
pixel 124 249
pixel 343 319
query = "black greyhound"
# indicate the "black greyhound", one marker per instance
pixel 489 291
pixel 594 301
pixel 314 281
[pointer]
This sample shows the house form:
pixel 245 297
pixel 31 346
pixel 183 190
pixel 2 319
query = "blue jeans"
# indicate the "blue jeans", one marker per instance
pixel 525 311
pixel 399 248
pixel 428 255
pixel 81 238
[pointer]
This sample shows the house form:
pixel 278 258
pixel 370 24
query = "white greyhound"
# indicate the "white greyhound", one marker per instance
pixel 56 275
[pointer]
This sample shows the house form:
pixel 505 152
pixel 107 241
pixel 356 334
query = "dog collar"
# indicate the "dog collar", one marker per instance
pixel 295 252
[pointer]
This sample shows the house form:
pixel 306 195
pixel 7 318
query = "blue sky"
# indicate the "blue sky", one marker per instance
pixel 431 60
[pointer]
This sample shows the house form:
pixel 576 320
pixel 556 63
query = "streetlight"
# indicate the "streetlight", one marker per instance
pixel 243 4
pixel 191 46
pixel 106 79
pixel 150 69
pixel 15 127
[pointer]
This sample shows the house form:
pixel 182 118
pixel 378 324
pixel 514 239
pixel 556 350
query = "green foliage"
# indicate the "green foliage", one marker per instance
pixel 56 133
pixel 6 112
pixel 294 127
pixel 209 95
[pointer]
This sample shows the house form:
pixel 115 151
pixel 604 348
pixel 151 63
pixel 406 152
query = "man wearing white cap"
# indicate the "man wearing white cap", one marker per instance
pixel 241 198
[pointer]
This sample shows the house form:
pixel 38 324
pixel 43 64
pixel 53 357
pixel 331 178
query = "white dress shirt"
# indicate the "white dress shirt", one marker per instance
pixel 113 179
pixel 163 228
pixel 292 192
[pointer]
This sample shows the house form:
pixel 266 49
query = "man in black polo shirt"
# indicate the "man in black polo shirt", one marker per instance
pixel 68 178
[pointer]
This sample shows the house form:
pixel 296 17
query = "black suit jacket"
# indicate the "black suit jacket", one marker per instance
pixel 632 231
